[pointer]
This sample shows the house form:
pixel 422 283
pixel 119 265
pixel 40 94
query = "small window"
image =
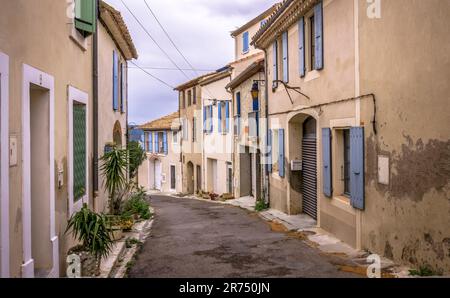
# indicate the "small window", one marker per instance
pixel 194 129
pixel 160 142
pixel 346 172
pixel 189 98
pixel 275 150
pixel 245 43
pixel 312 43
pixel 175 137
pixel 194 96
pixel 183 99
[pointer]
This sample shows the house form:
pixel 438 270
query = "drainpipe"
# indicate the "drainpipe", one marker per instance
pixel 95 108
pixel 266 107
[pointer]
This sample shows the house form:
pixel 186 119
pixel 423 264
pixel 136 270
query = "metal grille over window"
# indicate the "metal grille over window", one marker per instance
pixel 79 150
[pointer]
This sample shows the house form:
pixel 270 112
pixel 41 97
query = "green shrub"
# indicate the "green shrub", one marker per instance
pixel 138 205
pixel 260 206
pixel 91 230
pixel 423 271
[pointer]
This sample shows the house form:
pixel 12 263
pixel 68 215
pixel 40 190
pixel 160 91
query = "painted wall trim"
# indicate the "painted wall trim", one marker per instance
pixel 76 95
pixel 4 171
pixel 34 76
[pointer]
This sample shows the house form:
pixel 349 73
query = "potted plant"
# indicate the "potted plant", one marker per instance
pixel 91 231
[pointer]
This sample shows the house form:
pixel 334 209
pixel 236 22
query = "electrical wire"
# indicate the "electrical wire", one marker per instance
pixel 151 37
pixel 153 76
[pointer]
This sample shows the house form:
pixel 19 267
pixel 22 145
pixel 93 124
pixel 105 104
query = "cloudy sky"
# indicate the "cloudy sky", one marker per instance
pixel 201 30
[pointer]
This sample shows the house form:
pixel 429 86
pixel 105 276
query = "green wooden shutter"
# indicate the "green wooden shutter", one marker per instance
pixel 79 151
pixel 85 16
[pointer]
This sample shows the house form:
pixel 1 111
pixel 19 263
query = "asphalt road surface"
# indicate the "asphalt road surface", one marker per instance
pixel 192 238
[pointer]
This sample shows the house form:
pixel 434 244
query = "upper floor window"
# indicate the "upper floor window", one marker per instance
pixel 194 95
pixel 85 16
pixel 189 98
pixel 310 29
pixel 194 129
pixel 182 99
pixel 175 137
pixel 245 42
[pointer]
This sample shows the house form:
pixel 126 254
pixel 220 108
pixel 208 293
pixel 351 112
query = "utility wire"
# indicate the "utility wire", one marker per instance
pixel 151 37
pixel 153 76
pixel 170 39
pixel 169 68
pixel 174 45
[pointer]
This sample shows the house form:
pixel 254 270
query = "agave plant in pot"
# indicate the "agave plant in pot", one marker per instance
pixel 91 231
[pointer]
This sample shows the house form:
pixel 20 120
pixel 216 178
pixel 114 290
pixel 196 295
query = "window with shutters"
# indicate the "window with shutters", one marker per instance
pixel 85 17
pixel 182 99
pixel 79 151
pixel 194 129
pixel 311 40
pixel 189 98
pixel 160 143
pixel 275 153
pixel 175 137
pixel 194 95
pixel 341 162
pixel 245 42
pixel 222 113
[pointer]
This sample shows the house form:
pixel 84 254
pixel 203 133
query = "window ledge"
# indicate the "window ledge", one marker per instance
pixel 343 202
pixel 77 37
pixel 312 75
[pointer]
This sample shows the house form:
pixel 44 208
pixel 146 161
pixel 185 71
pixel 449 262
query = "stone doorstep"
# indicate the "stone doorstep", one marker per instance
pixel 120 251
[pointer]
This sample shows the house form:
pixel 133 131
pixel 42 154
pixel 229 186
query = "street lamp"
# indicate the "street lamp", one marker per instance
pixel 255 91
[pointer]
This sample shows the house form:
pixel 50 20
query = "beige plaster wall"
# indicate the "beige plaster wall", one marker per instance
pixel 45 45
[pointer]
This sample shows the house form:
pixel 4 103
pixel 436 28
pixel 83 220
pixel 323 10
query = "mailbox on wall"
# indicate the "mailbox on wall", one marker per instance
pixel 296 165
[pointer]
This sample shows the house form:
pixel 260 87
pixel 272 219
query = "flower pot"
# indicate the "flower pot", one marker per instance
pixel 90 264
pixel 117 233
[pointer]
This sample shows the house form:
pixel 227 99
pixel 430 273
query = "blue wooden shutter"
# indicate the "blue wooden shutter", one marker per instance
pixel 219 122
pixel 115 81
pixel 204 119
pixel 211 117
pixel 326 161
pixel 227 115
pixel 357 167
pixel 318 19
pixel 156 142
pixel 123 86
pixel 256 105
pixel 285 57
pixel 301 47
pixel 275 64
pixel 150 142
pixel 165 143
pixel 238 103
pixel 281 164
pixel 269 151
pixel 245 42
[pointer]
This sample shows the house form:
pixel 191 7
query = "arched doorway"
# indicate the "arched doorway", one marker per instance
pixel 117 134
pixel 309 161
pixel 190 178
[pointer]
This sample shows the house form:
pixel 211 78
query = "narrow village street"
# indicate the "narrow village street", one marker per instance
pixel 191 238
